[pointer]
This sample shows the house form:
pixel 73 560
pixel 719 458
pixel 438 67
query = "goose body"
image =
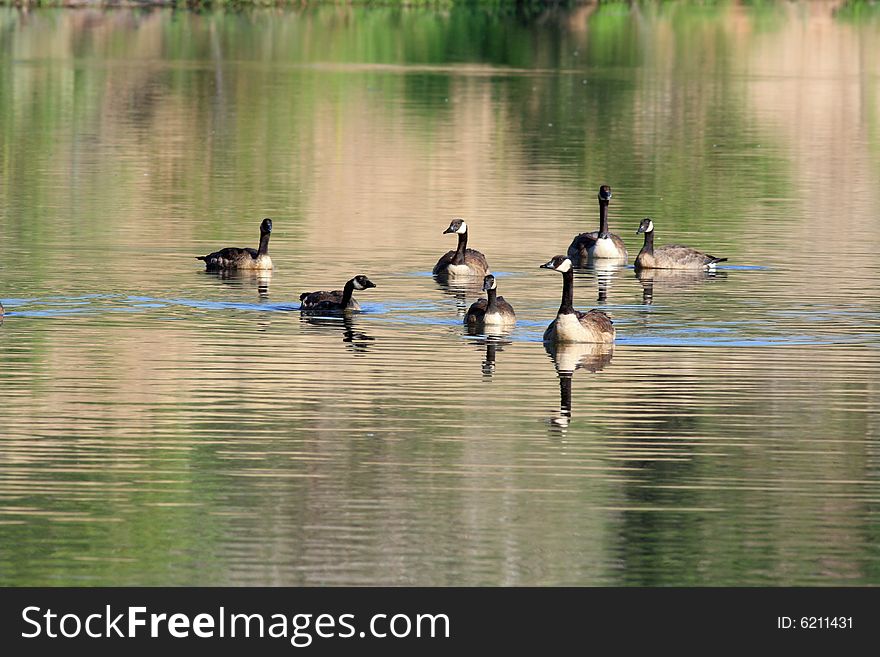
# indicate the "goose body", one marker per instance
pixel 242 257
pixel 600 244
pixel 492 311
pixel 672 256
pixel 336 300
pixel 571 325
pixel 462 261
pixel 594 326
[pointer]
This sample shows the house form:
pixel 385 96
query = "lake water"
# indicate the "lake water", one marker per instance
pixel 161 425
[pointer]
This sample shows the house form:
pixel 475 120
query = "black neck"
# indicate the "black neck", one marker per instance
pixel 462 247
pixel 567 305
pixel 493 295
pixel 649 242
pixel 489 363
pixel 264 244
pixel 565 393
pixel 346 293
pixel 603 218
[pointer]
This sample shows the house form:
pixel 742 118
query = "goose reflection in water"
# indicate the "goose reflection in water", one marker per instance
pixel 243 278
pixel 494 341
pixel 356 340
pixel 606 271
pixel 460 289
pixel 673 280
pixel 569 357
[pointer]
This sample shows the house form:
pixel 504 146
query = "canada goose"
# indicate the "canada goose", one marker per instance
pixel 337 300
pixel 494 311
pixel 671 256
pixel 463 261
pixel 571 325
pixel 600 244
pixel 242 258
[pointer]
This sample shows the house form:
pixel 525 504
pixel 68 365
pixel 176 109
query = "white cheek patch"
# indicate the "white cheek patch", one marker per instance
pixel 564 266
pixel 358 286
pixel 650 228
pixel 462 229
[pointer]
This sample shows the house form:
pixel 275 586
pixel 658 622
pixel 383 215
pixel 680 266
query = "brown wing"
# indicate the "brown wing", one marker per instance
pixel 676 255
pixel 476 312
pixel 229 257
pixel 312 299
pixel 581 243
pixel 473 259
pixel 444 261
pixel 476 261
pixel 596 319
pixel 618 242
pixel 503 307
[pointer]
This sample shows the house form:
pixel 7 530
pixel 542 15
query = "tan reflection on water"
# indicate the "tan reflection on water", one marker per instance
pixel 166 426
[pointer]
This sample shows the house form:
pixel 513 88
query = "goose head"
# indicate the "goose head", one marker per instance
pixel 457 225
pixel 647 226
pixel 361 282
pixel 559 263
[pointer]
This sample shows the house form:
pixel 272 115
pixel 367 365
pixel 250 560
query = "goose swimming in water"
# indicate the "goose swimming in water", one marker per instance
pixel 492 311
pixel 600 244
pixel 337 300
pixel 242 258
pixel 571 325
pixel 671 256
pixel 463 261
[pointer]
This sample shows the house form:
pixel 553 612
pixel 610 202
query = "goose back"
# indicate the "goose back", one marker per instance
pixel 676 256
pixel 336 300
pixel 477 313
pixel 475 264
pixel 594 326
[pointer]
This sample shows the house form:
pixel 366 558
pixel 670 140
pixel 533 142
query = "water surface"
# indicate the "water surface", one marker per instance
pixel 161 425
